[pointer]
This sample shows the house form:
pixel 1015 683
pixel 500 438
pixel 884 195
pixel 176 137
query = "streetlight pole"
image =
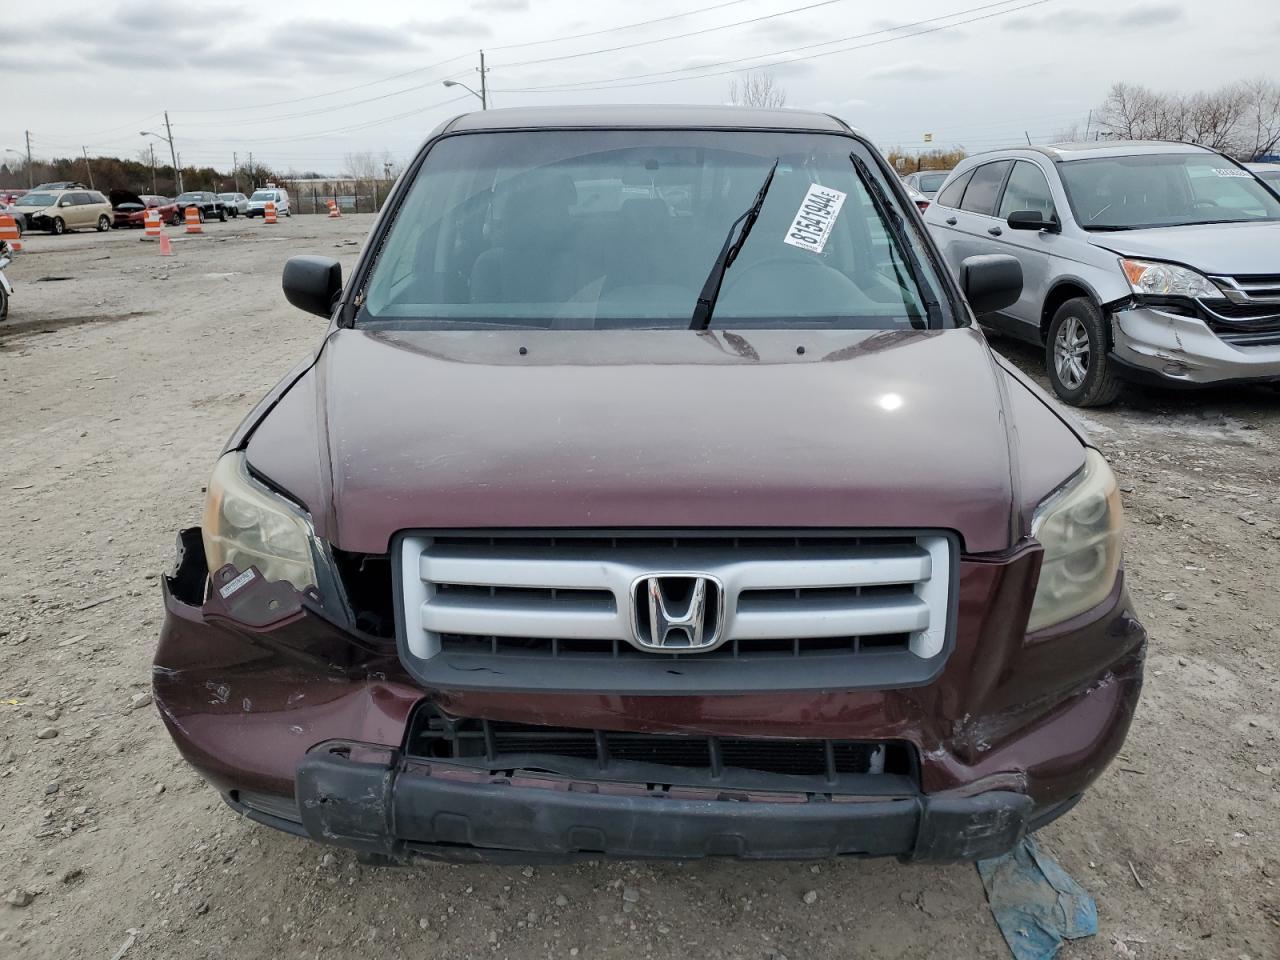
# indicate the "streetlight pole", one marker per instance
pixel 173 154
pixel 483 95
pixel 31 173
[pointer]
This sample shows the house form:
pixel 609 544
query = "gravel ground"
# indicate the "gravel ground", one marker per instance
pixel 121 374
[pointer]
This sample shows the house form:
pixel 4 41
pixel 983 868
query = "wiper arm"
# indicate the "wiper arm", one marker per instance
pixel 898 228
pixel 728 253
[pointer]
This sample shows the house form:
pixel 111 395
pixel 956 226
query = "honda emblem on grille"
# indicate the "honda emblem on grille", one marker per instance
pixel 672 612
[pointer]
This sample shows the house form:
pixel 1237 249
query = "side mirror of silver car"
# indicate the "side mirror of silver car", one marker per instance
pixel 991 282
pixel 1032 220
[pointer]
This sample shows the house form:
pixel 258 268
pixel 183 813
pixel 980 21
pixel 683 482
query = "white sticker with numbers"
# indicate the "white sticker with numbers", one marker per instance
pixel 813 222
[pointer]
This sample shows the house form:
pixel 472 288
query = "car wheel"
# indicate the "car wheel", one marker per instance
pixel 1076 355
pixel 222 215
pixel 104 223
pixel 288 213
pixel 4 304
pixel 59 227
pixel 176 219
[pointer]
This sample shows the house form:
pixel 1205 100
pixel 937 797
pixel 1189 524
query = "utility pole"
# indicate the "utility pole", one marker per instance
pixel 153 167
pixel 1087 124
pixel 85 150
pixel 235 170
pixel 173 154
pixel 484 92
pixel 31 173
pixel 253 181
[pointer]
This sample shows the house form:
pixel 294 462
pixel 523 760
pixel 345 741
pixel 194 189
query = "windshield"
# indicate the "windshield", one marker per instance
pixel 932 182
pixel 35 200
pixel 1270 176
pixel 226 196
pixel 263 195
pixel 188 197
pixel 1164 190
pixel 619 229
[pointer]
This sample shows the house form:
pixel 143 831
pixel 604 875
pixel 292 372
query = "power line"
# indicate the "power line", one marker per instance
pixel 678 36
pixel 625 26
pixel 616 83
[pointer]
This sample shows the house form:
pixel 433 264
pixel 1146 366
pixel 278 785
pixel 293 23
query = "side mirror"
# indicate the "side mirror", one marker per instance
pixel 312 284
pixel 1032 220
pixel 64 202
pixel 991 282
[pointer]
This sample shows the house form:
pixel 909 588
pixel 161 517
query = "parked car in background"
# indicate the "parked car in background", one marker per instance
pixel 59 185
pixel 1155 262
pixel 1268 173
pixel 236 203
pixel 19 218
pixel 711 533
pixel 58 211
pixel 928 182
pixel 11 194
pixel 209 205
pixel 277 195
pixel 130 209
pixel 6 288
pixel 918 198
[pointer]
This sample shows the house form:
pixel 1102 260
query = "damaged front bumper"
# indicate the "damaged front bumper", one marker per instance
pixel 308 726
pixel 1173 348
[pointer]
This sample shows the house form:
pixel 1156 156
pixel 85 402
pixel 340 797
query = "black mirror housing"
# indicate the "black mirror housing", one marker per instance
pixel 312 284
pixel 991 282
pixel 1031 220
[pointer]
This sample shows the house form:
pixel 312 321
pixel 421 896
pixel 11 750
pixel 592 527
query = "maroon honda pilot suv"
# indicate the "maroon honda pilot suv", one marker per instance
pixel 652 493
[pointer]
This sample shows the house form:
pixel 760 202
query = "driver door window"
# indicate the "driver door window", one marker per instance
pixel 1027 190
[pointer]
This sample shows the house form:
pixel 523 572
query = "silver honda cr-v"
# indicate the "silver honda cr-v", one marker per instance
pixel 1142 261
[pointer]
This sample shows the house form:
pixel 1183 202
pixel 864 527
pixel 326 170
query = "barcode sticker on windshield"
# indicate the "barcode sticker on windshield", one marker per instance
pixel 1232 172
pixel 813 222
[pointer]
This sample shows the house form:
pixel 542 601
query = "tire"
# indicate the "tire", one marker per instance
pixel 201 214
pixel 58 227
pixel 222 214
pixel 4 304
pixel 176 219
pixel 288 213
pixel 1076 358
pixel 104 223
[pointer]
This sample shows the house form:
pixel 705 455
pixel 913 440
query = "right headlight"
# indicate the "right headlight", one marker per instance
pixel 247 525
pixel 1079 527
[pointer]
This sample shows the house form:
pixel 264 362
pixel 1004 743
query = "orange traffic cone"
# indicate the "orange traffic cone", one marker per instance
pixel 9 232
pixel 334 212
pixel 151 223
pixel 166 246
pixel 193 220
pixel 269 212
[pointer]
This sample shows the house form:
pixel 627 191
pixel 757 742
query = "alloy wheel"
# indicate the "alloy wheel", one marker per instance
pixel 1071 353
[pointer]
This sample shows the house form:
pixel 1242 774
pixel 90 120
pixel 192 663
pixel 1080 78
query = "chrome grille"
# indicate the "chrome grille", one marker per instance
pixel 571 597
pixel 1251 288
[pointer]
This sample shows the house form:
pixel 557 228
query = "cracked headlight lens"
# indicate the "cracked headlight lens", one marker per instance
pixel 246 525
pixel 1080 529
pixel 1167 280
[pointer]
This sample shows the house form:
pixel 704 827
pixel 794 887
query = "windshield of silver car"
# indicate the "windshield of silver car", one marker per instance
pixel 1164 190
pixel 606 229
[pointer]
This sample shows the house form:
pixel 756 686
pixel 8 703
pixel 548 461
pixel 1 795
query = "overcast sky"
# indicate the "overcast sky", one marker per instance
pixel 301 84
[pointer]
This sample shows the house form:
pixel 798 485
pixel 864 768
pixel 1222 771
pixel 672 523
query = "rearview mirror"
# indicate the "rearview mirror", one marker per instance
pixel 991 282
pixel 312 284
pixel 1031 220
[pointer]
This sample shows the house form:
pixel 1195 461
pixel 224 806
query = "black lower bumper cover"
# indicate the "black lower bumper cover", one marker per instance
pixel 378 811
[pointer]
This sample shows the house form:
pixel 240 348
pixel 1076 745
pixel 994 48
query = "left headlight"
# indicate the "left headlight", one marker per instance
pixel 1079 527
pixel 1167 280
pixel 245 525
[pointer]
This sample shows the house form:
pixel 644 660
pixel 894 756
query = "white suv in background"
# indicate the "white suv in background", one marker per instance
pixel 1157 262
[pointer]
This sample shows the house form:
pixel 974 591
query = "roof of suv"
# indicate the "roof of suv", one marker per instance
pixel 640 115
pixel 1117 148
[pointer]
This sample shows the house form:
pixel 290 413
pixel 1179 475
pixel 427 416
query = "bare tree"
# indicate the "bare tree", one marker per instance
pixel 757 89
pixel 1241 119
pixel 361 166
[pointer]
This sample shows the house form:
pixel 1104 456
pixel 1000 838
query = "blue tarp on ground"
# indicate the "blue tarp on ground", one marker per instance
pixel 1036 903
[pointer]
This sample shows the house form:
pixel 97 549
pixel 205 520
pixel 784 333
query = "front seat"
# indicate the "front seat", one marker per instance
pixel 530 261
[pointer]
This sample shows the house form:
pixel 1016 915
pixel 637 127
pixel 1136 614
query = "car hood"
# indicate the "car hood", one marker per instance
pixel 614 429
pixel 117 197
pixel 1217 248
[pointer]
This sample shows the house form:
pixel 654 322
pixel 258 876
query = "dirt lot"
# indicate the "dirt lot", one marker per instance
pixel 121 374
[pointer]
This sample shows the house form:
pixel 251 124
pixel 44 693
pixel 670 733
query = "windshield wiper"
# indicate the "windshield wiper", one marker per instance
pixel 895 224
pixel 728 253
pixel 1106 227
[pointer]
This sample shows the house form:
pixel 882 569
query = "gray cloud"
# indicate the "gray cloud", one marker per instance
pixel 1149 15
pixel 454 27
pixel 908 70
